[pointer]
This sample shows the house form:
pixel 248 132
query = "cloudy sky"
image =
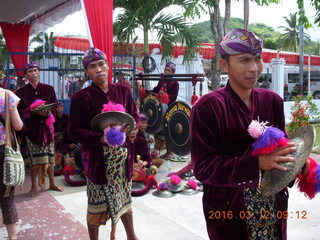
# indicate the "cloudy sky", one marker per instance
pixel 272 15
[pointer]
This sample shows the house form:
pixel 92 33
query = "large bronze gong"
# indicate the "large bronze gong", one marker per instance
pixel 155 110
pixel 177 128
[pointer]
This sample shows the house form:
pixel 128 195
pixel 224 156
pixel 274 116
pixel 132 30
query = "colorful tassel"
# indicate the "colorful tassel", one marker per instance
pixel 194 98
pixel 50 119
pixel 36 103
pixel 175 180
pixel 163 96
pixel 111 106
pixel 192 184
pixel 271 139
pixel 256 128
pixel 114 136
pixel 143 92
pixel 69 169
pixel 308 183
pixel 163 186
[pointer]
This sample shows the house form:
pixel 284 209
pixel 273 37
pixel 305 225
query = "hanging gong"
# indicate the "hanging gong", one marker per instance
pixel 177 128
pixel 155 110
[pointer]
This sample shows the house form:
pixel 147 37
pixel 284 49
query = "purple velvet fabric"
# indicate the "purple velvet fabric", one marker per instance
pixel 172 88
pixel 139 147
pixel 61 127
pixel 221 150
pixel 85 105
pixel 35 127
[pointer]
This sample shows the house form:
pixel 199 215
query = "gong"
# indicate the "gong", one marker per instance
pixel 177 128
pixel 155 110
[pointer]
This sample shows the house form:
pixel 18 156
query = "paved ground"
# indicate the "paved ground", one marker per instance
pixel 54 216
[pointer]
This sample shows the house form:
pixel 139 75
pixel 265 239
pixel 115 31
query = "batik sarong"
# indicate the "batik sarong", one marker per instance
pixel 262 210
pixel 113 199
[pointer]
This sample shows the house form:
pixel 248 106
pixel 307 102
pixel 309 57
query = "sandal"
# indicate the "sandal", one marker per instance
pixel 168 157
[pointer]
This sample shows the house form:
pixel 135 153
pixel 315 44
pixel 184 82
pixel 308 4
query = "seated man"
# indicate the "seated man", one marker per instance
pixel 64 147
pixel 150 140
pixel 139 148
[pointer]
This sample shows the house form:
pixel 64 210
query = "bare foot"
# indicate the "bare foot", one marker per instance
pixel 32 192
pixel 56 188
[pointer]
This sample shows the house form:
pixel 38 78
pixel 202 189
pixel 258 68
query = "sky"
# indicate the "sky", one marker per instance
pixel 272 15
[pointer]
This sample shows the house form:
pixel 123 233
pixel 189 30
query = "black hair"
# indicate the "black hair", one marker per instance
pixel 226 58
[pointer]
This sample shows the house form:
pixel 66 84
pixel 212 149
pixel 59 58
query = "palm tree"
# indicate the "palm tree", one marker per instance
pixel 149 15
pixel 49 42
pixel 290 37
pixel 3 50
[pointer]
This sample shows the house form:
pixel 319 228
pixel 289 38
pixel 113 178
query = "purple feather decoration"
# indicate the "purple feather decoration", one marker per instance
pixel 270 137
pixel 318 179
pixel 114 136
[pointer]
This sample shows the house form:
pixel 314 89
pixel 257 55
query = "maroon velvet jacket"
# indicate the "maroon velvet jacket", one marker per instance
pixel 85 105
pixel 221 154
pixel 139 147
pixel 35 127
pixel 172 89
pixel 61 128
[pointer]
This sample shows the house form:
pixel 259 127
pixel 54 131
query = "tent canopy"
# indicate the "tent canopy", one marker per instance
pixel 37 15
pixel 40 14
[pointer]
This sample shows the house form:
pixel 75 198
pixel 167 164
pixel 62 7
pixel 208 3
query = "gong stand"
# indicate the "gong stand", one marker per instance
pixel 192 77
pixel 172 119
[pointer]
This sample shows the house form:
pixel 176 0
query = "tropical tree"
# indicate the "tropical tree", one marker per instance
pixel 3 50
pixel 149 15
pixel 38 40
pixel 290 37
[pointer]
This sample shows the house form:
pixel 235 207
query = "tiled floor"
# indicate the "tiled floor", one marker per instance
pixel 54 215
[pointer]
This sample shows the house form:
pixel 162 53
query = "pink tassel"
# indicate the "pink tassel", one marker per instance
pixel 111 106
pixel 50 119
pixel 307 184
pixel 36 103
pixel 193 184
pixel 175 180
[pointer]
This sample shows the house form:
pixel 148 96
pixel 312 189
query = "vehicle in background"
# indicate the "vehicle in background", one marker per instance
pixel 291 81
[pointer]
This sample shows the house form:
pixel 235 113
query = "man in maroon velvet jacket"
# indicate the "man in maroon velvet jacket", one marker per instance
pixel 221 147
pixel 39 134
pixel 85 105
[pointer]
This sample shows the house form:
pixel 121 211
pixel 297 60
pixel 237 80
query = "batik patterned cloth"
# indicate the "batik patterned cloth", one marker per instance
pixel 262 223
pixel 239 41
pixel 113 199
pixel 39 155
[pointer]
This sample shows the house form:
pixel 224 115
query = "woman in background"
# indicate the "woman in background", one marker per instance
pixel 9 212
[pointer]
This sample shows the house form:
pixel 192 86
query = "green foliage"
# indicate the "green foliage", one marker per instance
pixel 37 39
pixel 149 15
pixel 202 30
pixel 290 38
pixel 3 50
pixel 301 113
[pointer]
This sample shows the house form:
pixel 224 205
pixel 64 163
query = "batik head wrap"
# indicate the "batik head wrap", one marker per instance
pixel 93 54
pixel 31 64
pixel 172 66
pixel 143 117
pixel 239 41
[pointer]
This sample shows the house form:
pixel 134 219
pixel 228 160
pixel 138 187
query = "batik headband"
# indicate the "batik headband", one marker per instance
pixel 31 64
pixel 172 66
pixel 93 54
pixel 239 41
pixel 143 117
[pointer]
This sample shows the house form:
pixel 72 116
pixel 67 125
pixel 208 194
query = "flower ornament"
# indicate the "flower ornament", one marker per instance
pixel 163 187
pixel 268 138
